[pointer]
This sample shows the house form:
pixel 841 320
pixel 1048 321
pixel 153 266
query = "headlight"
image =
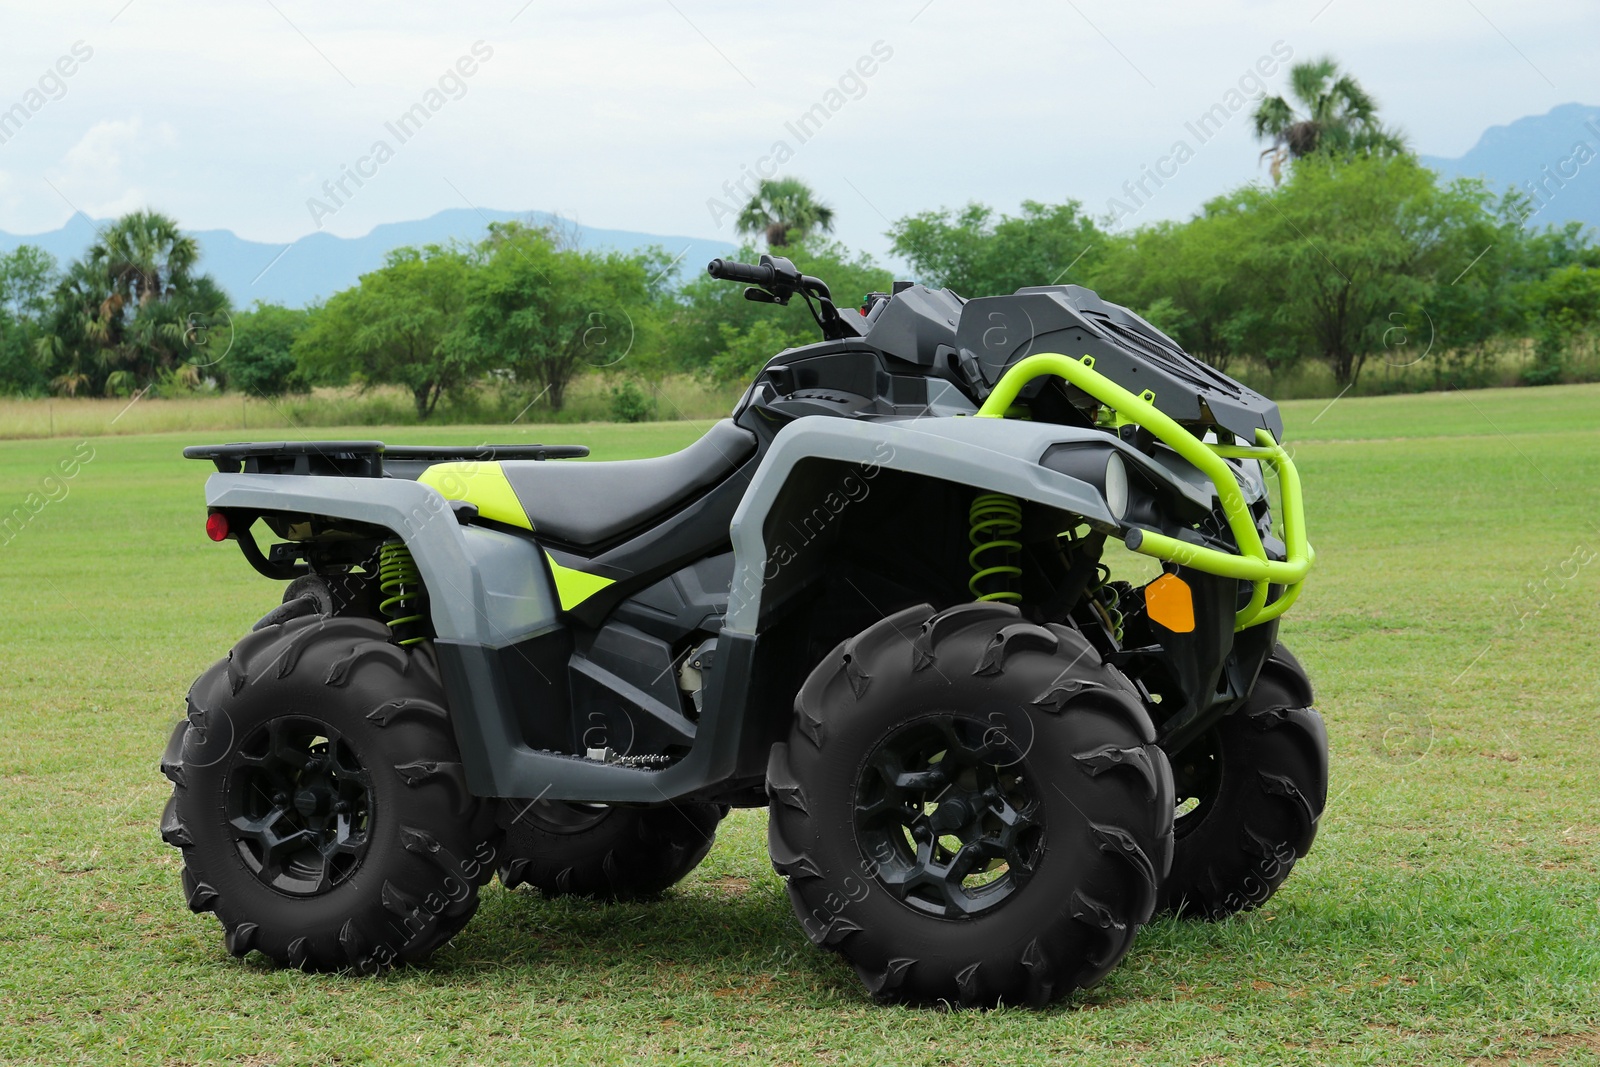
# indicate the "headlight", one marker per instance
pixel 1116 486
pixel 1097 465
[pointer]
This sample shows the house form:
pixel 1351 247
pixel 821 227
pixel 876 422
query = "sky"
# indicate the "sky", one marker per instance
pixel 247 115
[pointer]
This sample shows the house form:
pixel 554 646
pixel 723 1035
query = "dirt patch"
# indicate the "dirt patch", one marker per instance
pixel 1552 1047
pixel 754 988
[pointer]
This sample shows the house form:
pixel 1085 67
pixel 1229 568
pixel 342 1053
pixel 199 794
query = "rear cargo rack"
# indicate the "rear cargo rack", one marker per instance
pixel 361 459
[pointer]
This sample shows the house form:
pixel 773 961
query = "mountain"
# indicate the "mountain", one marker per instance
pixel 320 264
pixel 1554 158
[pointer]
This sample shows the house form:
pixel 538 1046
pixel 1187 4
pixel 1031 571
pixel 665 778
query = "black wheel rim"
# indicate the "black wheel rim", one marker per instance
pixel 946 817
pixel 1197 776
pixel 299 806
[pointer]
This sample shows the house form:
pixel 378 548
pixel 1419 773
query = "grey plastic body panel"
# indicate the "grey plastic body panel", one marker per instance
pixel 1000 455
pixel 498 763
pixel 484 587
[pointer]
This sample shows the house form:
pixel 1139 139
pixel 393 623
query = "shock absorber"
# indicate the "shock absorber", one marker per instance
pixel 405 600
pixel 1105 598
pixel 994 521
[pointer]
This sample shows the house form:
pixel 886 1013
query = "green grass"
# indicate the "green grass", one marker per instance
pixel 1450 909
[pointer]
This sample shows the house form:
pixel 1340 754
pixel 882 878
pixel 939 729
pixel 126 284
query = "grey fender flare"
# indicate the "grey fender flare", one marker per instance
pixel 997 455
pixel 484 587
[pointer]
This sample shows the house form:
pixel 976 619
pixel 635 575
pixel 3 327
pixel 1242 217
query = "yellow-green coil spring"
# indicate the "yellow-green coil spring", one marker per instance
pixel 1107 599
pixel 401 584
pixel 994 520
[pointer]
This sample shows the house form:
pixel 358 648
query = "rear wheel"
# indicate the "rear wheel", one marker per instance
pixel 606 853
pixel 319 801
pixel 1250 794
pixel 970 808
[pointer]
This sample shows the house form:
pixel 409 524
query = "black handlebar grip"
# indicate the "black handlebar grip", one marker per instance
pixel 755 274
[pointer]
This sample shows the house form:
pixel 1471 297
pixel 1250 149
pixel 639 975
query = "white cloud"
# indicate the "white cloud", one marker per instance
pixel 101 171
pixel 99 155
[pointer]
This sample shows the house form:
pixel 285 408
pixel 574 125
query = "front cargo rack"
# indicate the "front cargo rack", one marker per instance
pixel 362 459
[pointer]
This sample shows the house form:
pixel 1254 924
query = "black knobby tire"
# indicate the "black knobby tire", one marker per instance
pixel 319 799
pixel 1255 786
pixel 605 853
pixel 1060 808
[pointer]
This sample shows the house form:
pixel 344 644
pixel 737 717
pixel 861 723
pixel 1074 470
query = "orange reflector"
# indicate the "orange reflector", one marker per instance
pixel 1167 601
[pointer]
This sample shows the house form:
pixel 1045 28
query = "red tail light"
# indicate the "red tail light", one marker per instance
pixel 217 526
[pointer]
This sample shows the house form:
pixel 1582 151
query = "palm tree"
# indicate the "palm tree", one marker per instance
pixel 1340 119
pixel 122 315
pixel 82 331
pixel 784 210
pixel 145 256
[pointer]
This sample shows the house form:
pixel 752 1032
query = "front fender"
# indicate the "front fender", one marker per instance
pixel 988 454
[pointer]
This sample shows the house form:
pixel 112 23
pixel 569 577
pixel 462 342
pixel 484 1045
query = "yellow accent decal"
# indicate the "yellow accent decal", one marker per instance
pixel 483 485
pixel 1168 602
pixel 574 586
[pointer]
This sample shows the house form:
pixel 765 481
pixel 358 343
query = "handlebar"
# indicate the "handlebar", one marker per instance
pixel 774 274
pixel 775 280
pixel 752 273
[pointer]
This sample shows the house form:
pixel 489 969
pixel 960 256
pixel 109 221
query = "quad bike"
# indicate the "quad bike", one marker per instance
pixel 873 600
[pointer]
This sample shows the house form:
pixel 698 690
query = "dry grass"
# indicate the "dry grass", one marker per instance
pixel 675 397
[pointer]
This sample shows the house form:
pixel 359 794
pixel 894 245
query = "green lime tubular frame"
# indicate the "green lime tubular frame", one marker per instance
pixel 1250 563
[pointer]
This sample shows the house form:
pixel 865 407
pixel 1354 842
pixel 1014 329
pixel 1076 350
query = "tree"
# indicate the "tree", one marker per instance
pixel 709 318
pixel 1566 305
pixel 1193 281
pixel 1340 118
pixel 1346 254
pixel 261 359
pixel 1479 298
pixel 745 352
pixel 129 313
pixel 26 277
pixel 546 312
pixel 402 324
pixel 785 211
pixel 975 253
pixel 70 345
pixel 145 257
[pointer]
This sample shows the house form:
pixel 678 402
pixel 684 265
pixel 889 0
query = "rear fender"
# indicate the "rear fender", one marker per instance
pixel 484 586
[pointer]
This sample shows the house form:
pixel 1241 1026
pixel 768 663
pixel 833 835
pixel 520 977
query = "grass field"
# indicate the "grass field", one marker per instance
pixel 1450 911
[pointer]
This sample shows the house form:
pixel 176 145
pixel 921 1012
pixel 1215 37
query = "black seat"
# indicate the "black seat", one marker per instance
pixel 587 504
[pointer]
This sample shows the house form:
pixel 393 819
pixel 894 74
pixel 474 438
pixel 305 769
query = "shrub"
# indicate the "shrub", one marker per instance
pixel 629 403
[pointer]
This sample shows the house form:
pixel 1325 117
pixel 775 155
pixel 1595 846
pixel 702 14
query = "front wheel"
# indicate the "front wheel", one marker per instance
pixel 970 808
pixel 1250 793
pixel 319 801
